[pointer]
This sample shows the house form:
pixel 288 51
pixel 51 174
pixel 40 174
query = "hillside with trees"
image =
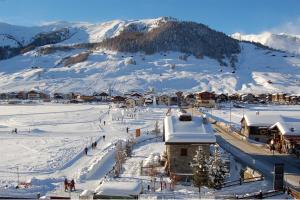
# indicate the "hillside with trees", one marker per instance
pixel 187 37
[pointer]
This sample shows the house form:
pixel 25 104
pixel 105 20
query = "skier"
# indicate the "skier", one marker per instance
pixel 95 144
pixel 104 123
pixel 127 129
pixel 72 185
pixel 85 150
pixel 103 137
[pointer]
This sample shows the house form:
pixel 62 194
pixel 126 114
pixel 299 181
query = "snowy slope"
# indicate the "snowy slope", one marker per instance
pixel 102 68
pixel 165 72
pixel 12 35
pixel 285 42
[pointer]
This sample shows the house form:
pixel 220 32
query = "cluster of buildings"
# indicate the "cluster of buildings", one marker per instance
pixel 279 130
pixel 132 99
pixel 23 95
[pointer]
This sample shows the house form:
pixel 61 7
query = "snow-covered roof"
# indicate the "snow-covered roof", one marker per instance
pixel 262 119
pixel 194 131
pixel 119 188
pixel 288 127
pixel 287 124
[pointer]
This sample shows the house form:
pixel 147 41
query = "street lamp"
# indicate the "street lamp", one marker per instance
pixel 272 145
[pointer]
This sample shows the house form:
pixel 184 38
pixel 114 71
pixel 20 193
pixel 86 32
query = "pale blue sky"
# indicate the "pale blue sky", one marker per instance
pixel 247 16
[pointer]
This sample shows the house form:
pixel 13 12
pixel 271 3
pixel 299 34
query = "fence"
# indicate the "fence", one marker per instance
pixel 241 181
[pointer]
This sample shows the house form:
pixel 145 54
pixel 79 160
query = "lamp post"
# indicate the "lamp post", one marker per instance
pixel 272 145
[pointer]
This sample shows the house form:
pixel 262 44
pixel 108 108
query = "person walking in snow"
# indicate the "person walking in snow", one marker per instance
pixel 103 137
pixel 85 150
pixel 72 185
pixel 95 144
pixel 66 184
pixel 104 123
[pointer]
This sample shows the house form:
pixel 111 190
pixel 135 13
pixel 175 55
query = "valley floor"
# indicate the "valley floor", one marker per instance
pixel 49 147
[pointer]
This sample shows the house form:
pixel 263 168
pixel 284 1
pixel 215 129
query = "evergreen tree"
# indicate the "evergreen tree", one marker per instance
pixel 217 172
pixel 200 169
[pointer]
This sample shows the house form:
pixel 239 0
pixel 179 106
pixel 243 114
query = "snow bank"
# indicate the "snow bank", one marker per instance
pixel 119 188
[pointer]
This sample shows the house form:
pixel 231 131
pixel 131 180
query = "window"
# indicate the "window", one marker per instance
pixel 183 152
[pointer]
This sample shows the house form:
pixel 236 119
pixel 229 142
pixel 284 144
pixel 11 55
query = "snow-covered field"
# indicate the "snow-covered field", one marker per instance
pixel 50 140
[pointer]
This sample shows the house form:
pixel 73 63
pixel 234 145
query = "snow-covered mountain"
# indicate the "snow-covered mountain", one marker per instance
pixel 82 32
pixel 283 41
pixel 84 57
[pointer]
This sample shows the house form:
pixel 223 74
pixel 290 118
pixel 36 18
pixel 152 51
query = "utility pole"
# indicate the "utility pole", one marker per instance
pixel 230 116
pixel 18 176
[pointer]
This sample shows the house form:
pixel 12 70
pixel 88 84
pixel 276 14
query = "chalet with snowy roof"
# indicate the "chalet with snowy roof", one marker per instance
pixel 279 98
pixel 118 99
pixel 173 99
pixel 3 96
pixel 22 95
pixel 247 97
pixel 86 98
pixel 58 96
pixel 291 99
pixel 282 129
pixel 131 102
pixel 206 99
pixel 164 100
pixel 103 96
pixel 149 100
pixel 286 134
pixel 190 99
pixel 234 97
pixel 222 97
pixel 255 125
pixel 183 134
pixel 33 95
pixel 12 95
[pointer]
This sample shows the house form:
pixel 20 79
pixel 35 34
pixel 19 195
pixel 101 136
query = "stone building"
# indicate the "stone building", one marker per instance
pixel 183 134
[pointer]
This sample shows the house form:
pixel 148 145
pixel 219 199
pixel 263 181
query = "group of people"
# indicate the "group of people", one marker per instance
pixel 69 186
pixel 94 146
pixel 15 130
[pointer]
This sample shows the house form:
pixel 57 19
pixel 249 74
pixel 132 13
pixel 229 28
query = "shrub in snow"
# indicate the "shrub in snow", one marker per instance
pixel 173 66
pixel 183 57
pixel 152 161
pixel 76 59
pixel 129 61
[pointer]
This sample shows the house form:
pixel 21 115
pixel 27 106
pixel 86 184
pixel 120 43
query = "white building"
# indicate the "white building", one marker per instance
pixel 183 134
